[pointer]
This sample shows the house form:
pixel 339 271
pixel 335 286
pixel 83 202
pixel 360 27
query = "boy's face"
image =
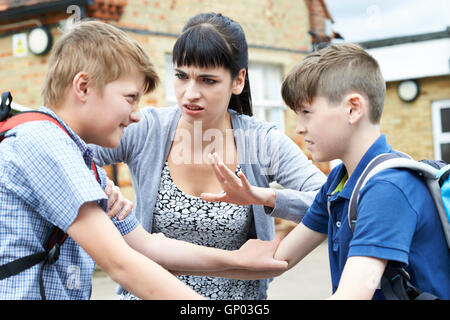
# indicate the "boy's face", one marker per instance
pixel 114 109
pixel 324 127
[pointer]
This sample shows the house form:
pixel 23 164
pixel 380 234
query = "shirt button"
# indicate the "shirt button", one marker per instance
pixel 338 224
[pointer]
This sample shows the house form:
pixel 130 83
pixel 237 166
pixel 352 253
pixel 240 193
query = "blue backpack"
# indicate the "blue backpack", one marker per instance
pixel 435 173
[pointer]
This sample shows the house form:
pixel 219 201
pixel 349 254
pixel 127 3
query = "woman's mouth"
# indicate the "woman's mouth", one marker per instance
pixel 193 109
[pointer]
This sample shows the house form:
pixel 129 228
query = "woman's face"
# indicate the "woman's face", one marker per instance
pixel 203 94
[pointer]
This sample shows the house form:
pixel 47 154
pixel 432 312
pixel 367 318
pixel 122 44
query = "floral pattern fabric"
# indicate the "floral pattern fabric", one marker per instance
pixel 214 224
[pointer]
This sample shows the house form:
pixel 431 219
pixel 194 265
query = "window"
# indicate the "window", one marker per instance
pixel 265 86
pixel 441 129
pixel 170 92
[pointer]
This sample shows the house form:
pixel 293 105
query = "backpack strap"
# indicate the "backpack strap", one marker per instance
pixel 377 164
pixel 57 237
pixel 28 116
pixel 396 285
pixel 23 117
pixel 395 282
pixel 5 105
pixel 399 160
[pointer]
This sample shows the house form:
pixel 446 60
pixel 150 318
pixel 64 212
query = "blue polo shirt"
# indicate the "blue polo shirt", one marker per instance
pixel 397 221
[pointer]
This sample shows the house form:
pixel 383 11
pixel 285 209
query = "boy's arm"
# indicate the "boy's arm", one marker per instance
pixel 360 278
pixel 298 244
pixel 98 236
pixel 293 248
pixel 177 255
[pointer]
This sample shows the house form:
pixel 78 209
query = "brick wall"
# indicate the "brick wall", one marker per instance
pixel 276 31
pixel 281 25
pixel 408 126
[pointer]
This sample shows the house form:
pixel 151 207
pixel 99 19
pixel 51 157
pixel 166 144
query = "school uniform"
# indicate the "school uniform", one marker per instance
pixel 45 177
pixel 397 221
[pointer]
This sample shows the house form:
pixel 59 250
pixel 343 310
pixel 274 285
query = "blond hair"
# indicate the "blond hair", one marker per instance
pixel 102 51
pixel 333 72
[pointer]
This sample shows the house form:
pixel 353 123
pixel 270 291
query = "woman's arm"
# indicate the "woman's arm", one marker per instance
pixel 177 255
pixel 287 204
pixel 293 248
pixel 286 164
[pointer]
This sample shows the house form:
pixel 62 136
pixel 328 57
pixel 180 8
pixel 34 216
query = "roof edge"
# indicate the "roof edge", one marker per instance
pixel 406 39
pixel 40 8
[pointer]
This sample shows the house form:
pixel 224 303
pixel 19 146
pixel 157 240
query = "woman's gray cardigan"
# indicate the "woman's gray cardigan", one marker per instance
pixel 264 154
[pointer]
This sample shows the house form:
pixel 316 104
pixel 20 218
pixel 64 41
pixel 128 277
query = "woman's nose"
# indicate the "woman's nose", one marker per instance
pixel 192 91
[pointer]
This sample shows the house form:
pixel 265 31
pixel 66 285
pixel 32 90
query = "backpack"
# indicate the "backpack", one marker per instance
pixel 57 237
pixel 395 282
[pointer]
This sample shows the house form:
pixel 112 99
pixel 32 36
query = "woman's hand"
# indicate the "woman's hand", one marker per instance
pixel 117 203
pixel 258 255
pixel 237 189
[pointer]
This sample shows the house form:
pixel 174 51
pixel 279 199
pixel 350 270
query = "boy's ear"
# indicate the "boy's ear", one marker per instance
pixel 80 86
pixel 356 107
pixel 239 82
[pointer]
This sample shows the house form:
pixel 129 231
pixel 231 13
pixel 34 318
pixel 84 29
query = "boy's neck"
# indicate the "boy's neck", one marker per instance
pixel 67 116
pixel 358 146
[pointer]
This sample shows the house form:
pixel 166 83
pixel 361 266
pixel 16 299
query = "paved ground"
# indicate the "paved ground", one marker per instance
pixel 308 280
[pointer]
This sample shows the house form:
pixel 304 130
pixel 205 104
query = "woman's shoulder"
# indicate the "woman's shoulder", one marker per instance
pixel 159 112
pixel 153 118
pixel 242 121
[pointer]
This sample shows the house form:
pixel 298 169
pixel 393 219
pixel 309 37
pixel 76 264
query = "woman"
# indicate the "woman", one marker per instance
pixel 173 155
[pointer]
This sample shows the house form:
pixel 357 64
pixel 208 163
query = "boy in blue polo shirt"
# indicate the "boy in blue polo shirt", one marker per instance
pixel 95 79
pixel 338 94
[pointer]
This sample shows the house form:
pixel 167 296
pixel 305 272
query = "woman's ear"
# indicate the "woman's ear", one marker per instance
pixel 356 107
pixel 239 82
pixel 80 86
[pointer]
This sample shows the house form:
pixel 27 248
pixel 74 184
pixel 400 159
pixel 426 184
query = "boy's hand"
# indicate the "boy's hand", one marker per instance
pixel 257 255
pixel 237 189
pixel 117 203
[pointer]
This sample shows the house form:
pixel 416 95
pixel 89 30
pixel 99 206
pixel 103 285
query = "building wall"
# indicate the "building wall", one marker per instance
pixel 276 31
pixel 408 126
pixel 281 25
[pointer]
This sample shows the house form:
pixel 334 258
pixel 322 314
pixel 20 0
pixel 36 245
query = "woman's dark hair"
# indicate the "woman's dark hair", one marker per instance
pixel 211 40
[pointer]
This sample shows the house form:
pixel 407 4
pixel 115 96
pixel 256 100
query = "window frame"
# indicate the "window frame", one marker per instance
pixel 439 137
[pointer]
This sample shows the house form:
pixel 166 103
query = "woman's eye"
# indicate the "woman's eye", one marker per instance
pixel 180 76
pixel 209 81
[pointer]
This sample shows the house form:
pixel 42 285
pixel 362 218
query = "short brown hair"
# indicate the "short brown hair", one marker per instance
pixel 331 73
pixel 101 50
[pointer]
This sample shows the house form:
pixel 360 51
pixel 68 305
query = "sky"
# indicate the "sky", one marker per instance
pixel 363 20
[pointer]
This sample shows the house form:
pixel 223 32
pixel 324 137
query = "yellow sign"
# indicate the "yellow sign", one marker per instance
pixel 19 45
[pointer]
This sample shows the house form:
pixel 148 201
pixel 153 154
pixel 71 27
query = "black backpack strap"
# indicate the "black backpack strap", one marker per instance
pixel 49 256
pixel 444 177
pixel 52 244
pixel 14 267
pixel 396 285
pixel 57 237
pixel 5 105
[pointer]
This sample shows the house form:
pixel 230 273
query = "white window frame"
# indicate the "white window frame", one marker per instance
pixel 265 86
pixel 439 137
pixel 170 91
